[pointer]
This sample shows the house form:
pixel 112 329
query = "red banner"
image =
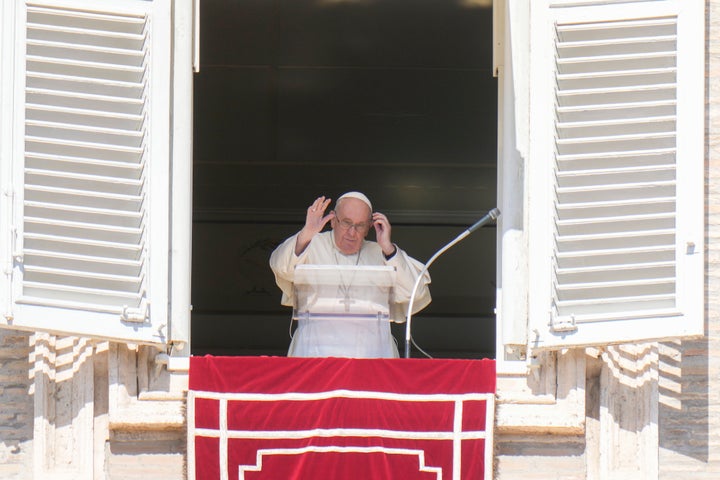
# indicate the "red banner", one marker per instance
pixel 257 418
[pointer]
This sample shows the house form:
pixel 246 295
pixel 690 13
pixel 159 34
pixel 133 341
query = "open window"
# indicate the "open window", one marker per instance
pixel 300 98
pixel 86 169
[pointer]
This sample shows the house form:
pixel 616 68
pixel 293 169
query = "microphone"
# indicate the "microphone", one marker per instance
pixel 491 215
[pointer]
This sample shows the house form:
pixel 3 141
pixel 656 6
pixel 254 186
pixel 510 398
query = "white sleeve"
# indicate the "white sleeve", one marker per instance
pixel 282 262
pixel 408 270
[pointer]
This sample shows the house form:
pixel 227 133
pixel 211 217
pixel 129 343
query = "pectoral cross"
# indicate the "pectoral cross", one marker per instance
pixel 347 301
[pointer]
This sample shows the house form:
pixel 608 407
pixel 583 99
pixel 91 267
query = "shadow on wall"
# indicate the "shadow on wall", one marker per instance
pixel 61 394
pixel 621 403
pixel 684 410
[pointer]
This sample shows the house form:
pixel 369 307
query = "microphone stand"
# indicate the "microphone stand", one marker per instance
pixel 491 215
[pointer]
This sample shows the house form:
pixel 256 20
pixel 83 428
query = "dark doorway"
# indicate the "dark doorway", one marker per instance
pixel 300 98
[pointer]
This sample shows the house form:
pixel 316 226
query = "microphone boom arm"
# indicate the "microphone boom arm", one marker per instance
pixel 491 215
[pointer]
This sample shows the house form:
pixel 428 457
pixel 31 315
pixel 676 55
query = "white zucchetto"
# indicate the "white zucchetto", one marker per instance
pixel 359 196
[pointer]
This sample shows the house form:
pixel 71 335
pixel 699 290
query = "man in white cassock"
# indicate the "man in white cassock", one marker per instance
pixel 345 244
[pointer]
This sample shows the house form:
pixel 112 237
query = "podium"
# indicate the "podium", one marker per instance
pixel 343 311
pixel 339 292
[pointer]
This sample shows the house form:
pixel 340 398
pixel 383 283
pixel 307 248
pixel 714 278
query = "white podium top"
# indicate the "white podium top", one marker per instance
pixel 337 292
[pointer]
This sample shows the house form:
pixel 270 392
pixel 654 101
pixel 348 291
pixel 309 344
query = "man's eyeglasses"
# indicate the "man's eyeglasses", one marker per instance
pixel 346 224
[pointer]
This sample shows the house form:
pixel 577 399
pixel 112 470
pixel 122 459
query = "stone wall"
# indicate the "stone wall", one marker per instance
pixel 690 370
pixel 82 410
pixel 16 405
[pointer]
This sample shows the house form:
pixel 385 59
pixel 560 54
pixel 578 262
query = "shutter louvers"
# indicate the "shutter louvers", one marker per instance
pixel 85 202
pixel 615 170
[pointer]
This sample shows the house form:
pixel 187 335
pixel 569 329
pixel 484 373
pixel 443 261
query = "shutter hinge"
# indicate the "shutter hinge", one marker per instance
pixel 9 265
pixel 16 255
pixel 9 192
pixel 134 315
pixel 565 323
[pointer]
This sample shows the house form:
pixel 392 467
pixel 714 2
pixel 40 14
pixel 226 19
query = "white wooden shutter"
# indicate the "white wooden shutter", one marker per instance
pixel 90 218
pixel 616 200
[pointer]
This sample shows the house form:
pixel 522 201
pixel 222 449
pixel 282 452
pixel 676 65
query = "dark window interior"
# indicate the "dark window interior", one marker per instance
pixel 299 98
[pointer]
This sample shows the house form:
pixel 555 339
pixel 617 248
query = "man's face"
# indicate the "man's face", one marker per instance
pixel 351 225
